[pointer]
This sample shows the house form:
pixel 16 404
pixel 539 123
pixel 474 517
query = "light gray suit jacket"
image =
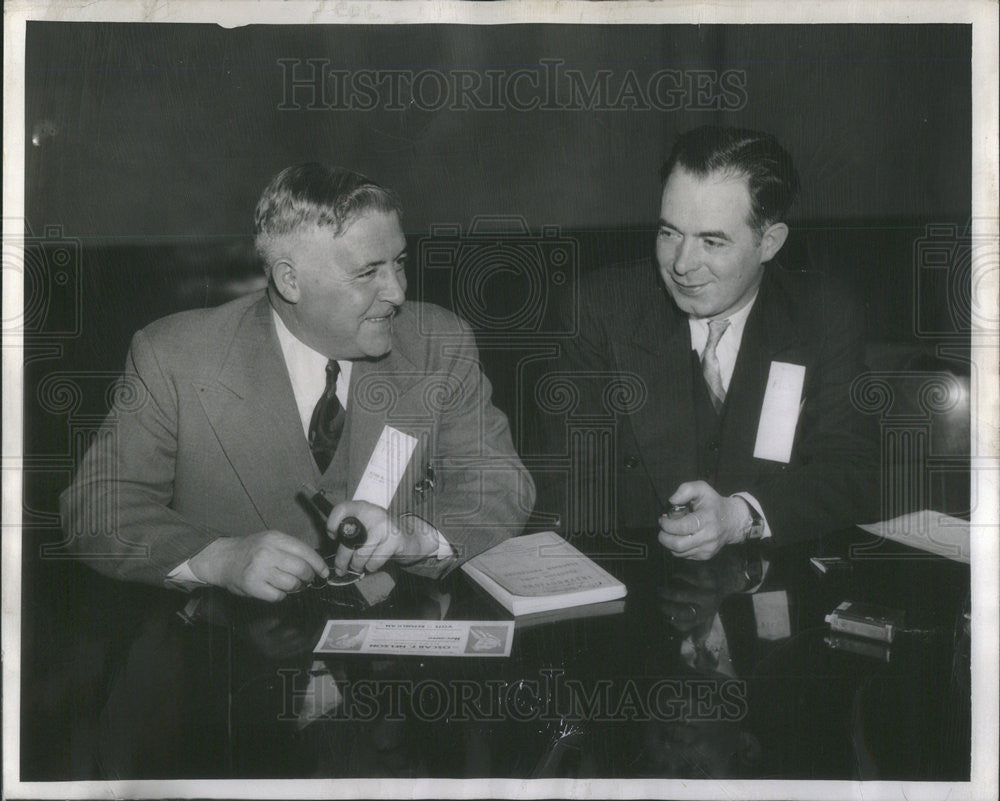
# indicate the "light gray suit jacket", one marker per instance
pixel 204 440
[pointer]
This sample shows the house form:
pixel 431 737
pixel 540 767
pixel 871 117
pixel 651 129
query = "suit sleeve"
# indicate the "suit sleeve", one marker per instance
pixel 117 510
pixel 484 494
pixel 833 479
pixel 574 384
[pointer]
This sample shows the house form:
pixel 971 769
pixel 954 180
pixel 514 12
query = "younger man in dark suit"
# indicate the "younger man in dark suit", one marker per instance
pixel 738 372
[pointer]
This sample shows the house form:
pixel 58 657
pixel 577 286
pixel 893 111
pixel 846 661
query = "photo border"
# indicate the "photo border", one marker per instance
pixel 985 555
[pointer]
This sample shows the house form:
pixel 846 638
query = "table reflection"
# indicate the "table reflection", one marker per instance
pixel 712 669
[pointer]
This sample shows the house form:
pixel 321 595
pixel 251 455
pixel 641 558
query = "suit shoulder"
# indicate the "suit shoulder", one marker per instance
pixel 198 331
pixel 429 335
pixel 195 323
pixel 812 289
pixel 420 318
pixel 818 303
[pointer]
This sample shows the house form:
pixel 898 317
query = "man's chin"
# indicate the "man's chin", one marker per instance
pixel 692 307
pixel 376 349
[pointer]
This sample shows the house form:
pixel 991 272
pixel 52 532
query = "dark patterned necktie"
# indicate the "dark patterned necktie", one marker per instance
pixel 327 422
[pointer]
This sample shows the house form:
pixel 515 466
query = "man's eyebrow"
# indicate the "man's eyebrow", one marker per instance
pixel 714 235
pixel 700 234
pixel 378 262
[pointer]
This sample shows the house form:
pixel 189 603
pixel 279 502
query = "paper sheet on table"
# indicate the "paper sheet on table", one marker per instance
pixel 934 532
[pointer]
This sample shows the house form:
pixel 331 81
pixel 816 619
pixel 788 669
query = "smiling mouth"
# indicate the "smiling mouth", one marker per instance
pixel 383 318
pixel 689 287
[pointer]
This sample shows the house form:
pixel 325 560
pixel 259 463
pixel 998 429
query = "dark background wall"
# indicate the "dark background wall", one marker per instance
pixel 172 130
pixel 148 146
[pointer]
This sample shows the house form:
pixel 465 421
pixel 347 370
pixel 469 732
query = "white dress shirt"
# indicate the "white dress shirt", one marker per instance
pixel 727 350
pixel 307 372
pixel 729 345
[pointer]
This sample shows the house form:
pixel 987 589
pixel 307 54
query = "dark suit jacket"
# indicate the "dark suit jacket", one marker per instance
pixel 631 364
pixel 204 440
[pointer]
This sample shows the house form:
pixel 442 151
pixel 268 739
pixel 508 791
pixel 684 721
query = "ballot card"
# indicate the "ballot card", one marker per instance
pixel 417 637
pixel 385 468
pixel 779 413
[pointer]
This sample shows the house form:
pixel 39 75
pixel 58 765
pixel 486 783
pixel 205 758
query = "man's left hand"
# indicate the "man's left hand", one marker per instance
pixel 715 521
pixel 385 539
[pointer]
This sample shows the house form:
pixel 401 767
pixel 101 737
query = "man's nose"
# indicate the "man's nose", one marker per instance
pixel 684 257
pixel 393 288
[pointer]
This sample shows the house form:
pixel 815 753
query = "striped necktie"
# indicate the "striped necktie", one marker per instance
pixel 327 421
pixel 710 363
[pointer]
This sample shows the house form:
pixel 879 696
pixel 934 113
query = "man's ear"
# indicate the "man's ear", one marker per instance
pixel 286 280
pixel 772 240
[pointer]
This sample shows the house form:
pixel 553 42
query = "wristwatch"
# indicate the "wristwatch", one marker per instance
pixel 755 530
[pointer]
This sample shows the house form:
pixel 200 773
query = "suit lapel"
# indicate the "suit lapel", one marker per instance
pixel 746 390
pixel 378 398
pixel 252 410
pixel 660 353
pixel 770 335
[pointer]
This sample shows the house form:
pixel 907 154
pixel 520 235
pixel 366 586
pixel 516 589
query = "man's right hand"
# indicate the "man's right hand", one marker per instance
pixel 266 565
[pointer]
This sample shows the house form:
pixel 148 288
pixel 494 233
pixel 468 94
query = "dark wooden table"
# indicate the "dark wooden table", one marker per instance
pixel 717 669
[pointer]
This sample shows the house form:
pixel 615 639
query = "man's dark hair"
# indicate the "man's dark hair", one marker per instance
pixel 741 152
pixel 314 194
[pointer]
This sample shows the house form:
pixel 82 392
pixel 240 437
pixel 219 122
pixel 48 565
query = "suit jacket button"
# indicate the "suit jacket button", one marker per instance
pixel 632 462
pixel 713 446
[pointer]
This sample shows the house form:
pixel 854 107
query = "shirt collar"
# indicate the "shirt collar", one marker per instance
pixel 295 350
pixel 304 364
pixel 734 333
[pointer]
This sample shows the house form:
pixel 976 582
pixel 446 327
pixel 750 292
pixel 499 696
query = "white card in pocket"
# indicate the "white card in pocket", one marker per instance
pixel 386 467
pixel 779 414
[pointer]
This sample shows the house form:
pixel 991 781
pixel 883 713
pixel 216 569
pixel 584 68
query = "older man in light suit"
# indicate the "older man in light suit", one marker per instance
pixel 195 477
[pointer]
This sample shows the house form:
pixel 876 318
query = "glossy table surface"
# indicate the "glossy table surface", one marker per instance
pixel 714 669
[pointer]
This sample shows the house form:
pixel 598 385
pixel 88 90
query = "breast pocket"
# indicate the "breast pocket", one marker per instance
pixel 419 481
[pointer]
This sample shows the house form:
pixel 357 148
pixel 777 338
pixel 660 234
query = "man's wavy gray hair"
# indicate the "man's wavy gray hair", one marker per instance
pixel 314 194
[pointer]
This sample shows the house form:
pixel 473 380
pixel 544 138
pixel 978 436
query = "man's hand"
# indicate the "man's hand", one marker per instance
pixel 715 521
pixel 385 539
pixel 266 565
